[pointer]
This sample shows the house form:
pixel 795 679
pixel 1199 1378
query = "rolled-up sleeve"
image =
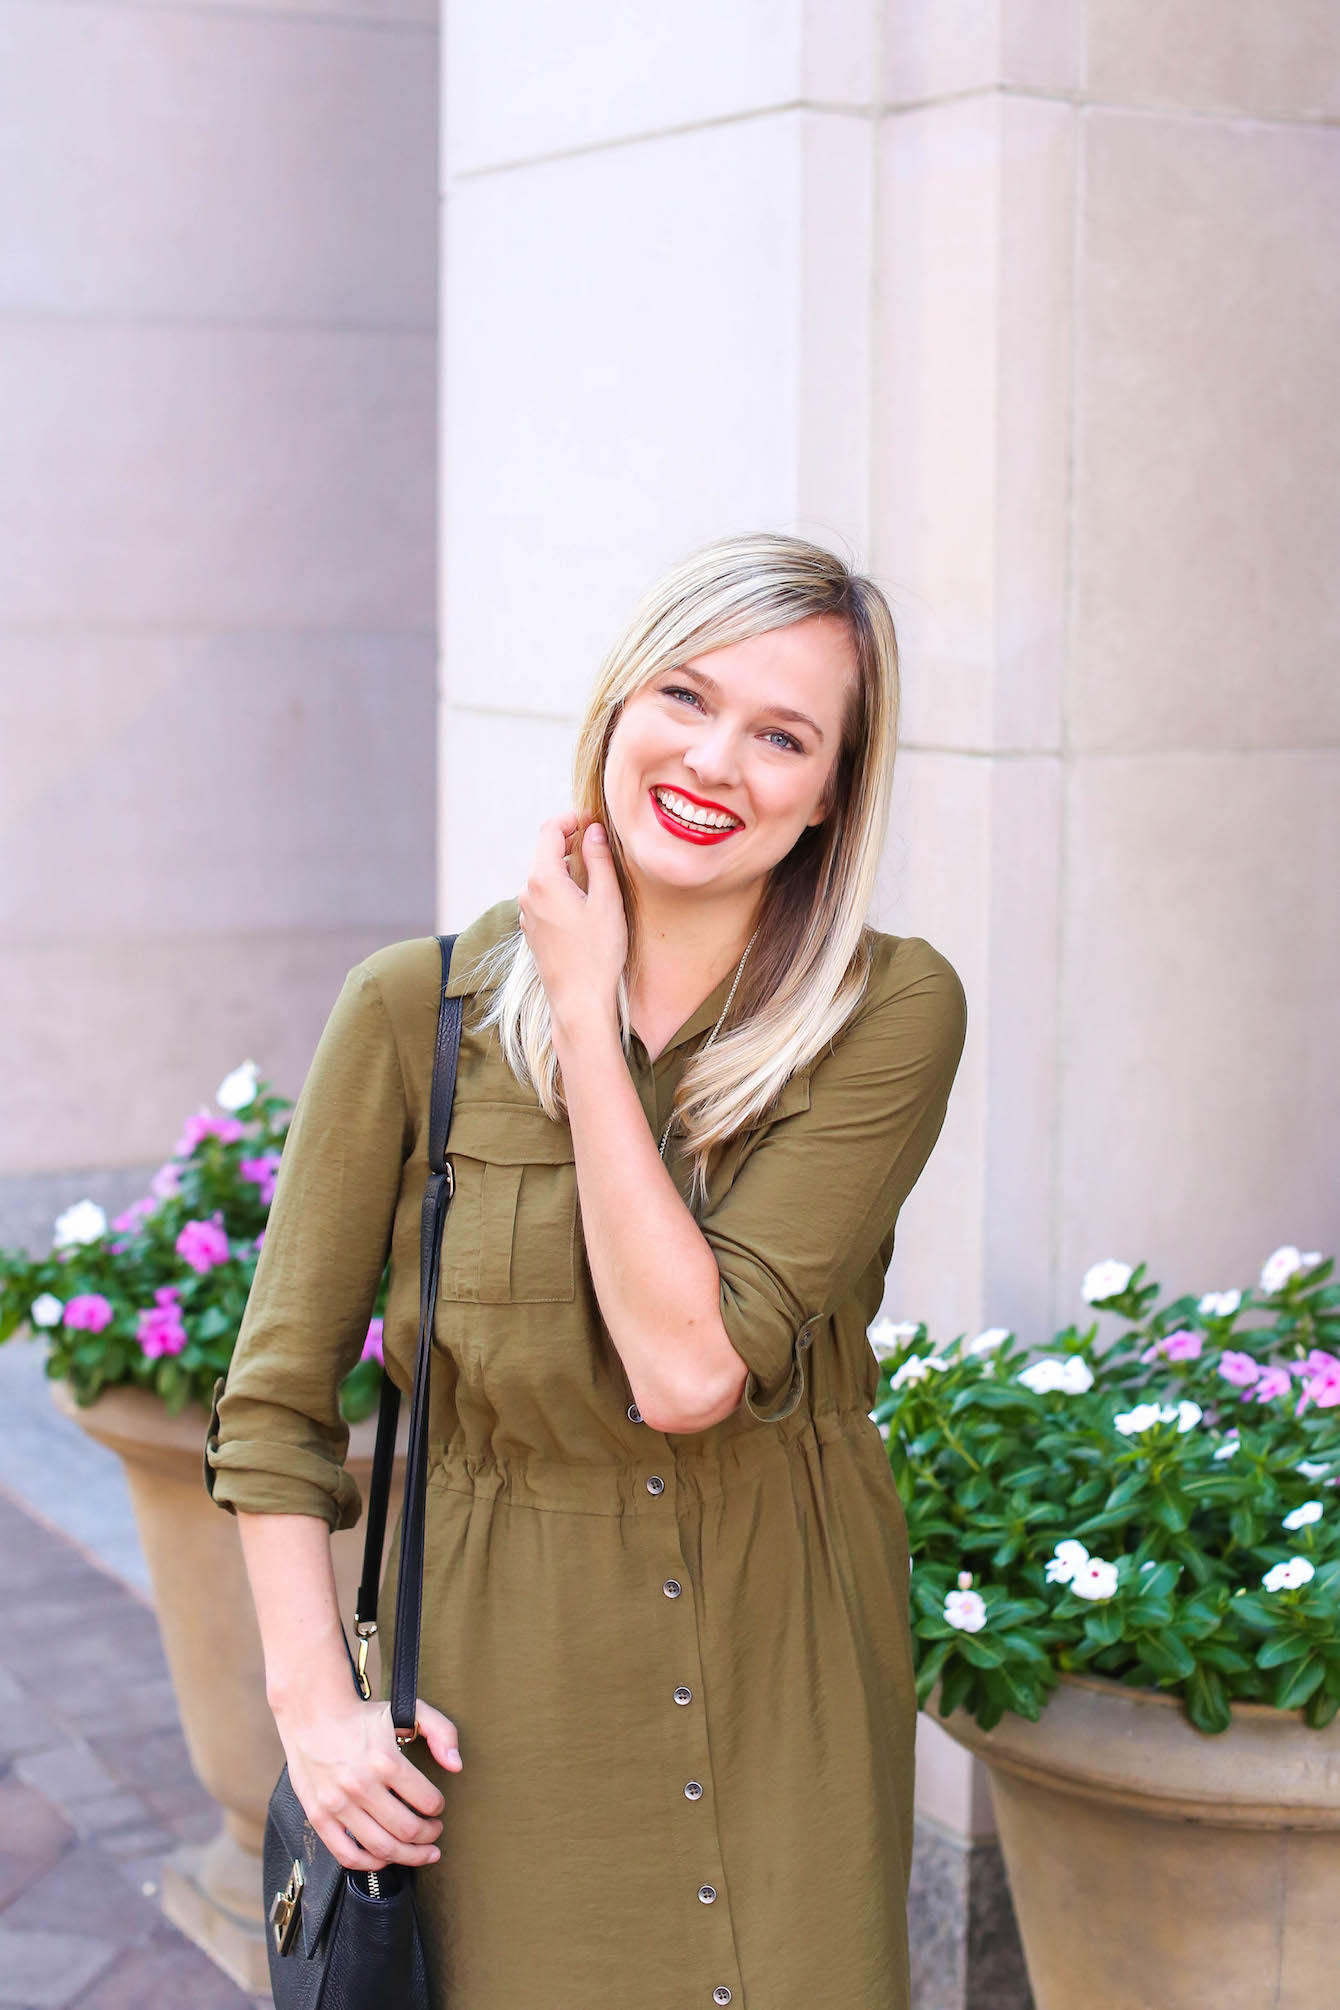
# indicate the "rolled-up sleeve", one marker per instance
pixel 822 1189
pixel 276 1442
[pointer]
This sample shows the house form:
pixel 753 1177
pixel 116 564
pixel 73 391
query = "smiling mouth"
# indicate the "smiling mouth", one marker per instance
pixel 689 819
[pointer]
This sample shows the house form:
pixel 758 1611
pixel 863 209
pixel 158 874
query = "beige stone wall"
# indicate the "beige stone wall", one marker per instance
pixel 1029 305
pixel 218 394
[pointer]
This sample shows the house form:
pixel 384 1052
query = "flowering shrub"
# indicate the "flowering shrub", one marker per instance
pixel 1164 1511
pixel 155 1296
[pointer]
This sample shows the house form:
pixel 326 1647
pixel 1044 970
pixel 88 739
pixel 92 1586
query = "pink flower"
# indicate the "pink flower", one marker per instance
pixel 1321 1382
pixel 262 1172
pixel 202 1244
pixel 90 1312
pixel 259 1240
pixel 1183 1345
pixel 201 1126
pixel 138 1211
pixel 1273 1382
pixel 166 1181
pixel 160 1330
pixel 1239 1369
pixel 372 1346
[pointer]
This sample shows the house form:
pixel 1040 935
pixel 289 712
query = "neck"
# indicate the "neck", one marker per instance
pixel 686 943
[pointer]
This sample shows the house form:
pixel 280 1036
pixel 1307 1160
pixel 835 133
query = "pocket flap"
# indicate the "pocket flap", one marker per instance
pixel 509 1134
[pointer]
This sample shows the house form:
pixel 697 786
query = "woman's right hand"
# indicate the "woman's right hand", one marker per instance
pixel 367 1802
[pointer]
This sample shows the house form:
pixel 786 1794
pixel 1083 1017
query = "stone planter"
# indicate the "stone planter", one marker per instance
pixel 1153 1867
pixel 212 1891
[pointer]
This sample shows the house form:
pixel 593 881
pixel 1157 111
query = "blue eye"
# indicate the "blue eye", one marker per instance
pixel 775 733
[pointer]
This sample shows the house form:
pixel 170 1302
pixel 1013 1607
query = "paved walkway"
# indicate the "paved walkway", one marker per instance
pixel 95 1790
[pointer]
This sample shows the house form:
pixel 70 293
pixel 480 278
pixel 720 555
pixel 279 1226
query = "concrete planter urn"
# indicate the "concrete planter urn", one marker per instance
pixel 1156 1867
pixel 212 1891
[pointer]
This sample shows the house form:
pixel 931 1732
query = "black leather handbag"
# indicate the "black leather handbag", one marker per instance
pixel 348 1939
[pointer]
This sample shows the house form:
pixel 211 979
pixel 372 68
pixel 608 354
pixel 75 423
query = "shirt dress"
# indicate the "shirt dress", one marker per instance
pixel 679 1663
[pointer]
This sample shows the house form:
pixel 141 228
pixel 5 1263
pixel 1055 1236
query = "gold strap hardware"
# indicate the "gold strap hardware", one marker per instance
pixel 365 1628
pixel 284 1909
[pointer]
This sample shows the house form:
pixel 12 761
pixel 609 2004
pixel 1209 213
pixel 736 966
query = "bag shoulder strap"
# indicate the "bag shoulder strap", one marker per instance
pixel 409 1586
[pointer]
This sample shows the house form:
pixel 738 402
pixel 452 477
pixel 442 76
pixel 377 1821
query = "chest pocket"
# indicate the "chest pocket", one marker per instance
pixel 511 1229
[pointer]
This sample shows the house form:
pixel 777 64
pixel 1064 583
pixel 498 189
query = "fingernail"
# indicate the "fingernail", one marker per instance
pixel 453 1754
pixel 434 1855
pixel 598 833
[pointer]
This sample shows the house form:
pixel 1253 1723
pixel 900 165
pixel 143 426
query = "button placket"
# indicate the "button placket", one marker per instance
pixel 700 1848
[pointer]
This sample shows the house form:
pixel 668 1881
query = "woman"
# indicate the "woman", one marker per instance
pixel 668 1702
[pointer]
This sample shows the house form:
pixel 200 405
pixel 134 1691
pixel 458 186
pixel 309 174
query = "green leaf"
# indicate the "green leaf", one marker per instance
pixel 1207 1702
pixel 981 1650
pixel 1283 1648
pixel 1321 1709
pixel 1296 1685
pixel 954 1689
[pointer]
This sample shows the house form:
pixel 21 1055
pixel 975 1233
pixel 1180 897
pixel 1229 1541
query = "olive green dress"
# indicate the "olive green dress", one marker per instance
pixel 679 1664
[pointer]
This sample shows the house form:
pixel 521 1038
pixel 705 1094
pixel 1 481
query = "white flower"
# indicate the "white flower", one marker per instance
pixel 1227 1449
pixel 965 1580
pixel 1313 1469
pixel 1290 1576
pixel 994 1336
pixel 1284 1263
pixel 966 1610
pixel 1186 1415
pixel 46 1310
pixel 1066 1559
pixel 915 1369
pixel 1105 1280
pixel 883 1430
pixel 84 1222
pixel 1095 1579
pixel 885 1337
pixel 1068 1373
pixel 1220 1304
pixel 1142 1418
pixel 1304 1516
pixel 238 1089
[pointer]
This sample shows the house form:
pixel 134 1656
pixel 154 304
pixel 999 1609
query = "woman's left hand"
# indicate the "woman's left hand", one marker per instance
pixel 579 938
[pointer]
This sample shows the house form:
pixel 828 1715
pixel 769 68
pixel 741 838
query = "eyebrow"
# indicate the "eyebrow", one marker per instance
pixel 778 711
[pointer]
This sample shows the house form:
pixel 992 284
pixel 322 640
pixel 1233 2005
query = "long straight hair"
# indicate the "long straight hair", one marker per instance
pixel 809 966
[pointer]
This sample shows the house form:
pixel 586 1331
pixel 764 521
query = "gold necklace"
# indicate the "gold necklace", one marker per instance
pixel 717 1028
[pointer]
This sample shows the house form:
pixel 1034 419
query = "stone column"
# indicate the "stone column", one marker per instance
pixel 218 366
pixel 1103 461
pixel 1027 305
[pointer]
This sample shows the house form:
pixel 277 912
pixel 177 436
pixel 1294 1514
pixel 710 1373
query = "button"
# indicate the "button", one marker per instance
pixel 693 1790
pixel 655 1485
pixel 683 1695
pixel 721 1995
pixel 672 1587
pixel 635 1413
pixel 707 1892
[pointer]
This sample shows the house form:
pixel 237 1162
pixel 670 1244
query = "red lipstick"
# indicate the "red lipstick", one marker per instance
pixel 691 832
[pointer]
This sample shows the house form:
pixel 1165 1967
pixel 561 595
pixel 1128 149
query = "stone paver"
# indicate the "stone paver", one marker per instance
pixel 95 1790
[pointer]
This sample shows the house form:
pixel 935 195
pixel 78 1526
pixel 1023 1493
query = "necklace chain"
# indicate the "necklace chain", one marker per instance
pixel 717 1028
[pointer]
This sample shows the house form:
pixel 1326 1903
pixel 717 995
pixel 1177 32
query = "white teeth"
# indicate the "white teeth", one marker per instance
pixel 690 813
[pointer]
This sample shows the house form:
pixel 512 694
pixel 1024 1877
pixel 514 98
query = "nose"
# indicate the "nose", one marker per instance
pixel 712 759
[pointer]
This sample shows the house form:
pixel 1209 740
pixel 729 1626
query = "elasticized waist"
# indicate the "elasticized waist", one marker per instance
pixel 701 1467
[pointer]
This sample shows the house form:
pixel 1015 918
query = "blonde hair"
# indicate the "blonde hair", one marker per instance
pixel 809 966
